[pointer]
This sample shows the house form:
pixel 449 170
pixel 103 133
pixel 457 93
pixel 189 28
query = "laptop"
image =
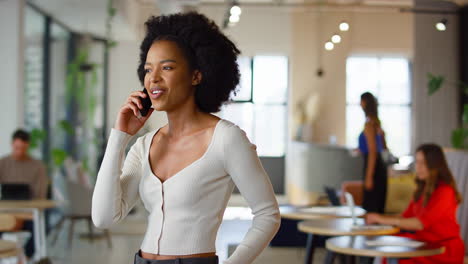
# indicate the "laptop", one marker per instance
pixel 15 191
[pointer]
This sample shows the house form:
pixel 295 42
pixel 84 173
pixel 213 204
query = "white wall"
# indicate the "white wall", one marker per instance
pixel 11 70
pixel 370 33
pixel 261 30
pixel 436 52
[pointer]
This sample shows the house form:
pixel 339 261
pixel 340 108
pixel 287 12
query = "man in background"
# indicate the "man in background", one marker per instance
pixel 20 168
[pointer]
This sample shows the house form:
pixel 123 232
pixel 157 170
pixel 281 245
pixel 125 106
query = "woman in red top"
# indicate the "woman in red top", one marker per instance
pixel 430 216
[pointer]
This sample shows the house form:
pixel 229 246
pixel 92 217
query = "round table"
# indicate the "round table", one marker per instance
pixel 342 227
pixel 319 212
pixel 337 227
pixel 391 247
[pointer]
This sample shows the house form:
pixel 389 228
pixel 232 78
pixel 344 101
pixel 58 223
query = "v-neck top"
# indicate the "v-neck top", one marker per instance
pixel 186 210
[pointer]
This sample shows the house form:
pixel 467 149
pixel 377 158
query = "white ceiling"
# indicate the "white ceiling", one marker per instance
pixel 86 16
pixel 90 15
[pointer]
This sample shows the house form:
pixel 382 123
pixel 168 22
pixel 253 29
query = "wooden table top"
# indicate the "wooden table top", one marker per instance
pixel 319 212
pixel 388 246
pixel 342 227
pixel 7 222
pixel 7 249
pixel 23 204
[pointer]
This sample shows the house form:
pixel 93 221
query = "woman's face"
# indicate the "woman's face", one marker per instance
pixel 169 79
pixel 422 171
pixel 363 104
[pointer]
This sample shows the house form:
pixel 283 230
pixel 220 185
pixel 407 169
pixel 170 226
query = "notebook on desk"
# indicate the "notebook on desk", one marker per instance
pixel 15 191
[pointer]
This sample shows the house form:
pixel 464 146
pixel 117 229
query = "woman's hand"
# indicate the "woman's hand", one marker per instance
pixel 368 184
pixel 373 218
pixel 129 119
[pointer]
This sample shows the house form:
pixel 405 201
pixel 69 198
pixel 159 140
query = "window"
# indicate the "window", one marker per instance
pixel 260 105
pixel 34 69
pixel 388 79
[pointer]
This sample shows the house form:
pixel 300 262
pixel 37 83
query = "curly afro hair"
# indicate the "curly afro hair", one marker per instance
pixel 206 49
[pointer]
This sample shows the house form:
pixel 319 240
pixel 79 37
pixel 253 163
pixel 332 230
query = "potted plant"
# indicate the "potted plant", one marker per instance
pixel 459 135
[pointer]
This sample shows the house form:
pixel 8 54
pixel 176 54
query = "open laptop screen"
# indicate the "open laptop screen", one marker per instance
pixel 15 191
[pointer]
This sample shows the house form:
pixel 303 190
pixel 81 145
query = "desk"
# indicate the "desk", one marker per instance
pixel 319 212
pixel 394 250
pixel 37 207
pixel 8 249
pixel 336 227
pixel 341 227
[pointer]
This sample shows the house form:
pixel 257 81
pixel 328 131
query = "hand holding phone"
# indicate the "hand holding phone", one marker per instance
pixel 146 102
pixel 134 113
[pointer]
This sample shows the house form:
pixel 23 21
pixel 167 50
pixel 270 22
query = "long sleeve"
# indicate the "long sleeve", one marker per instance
pixel 246 170
pixel 409 211
pixel 116 190
pixel 442 204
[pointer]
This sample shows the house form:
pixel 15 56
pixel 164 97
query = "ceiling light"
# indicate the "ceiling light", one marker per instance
pixel 234 19
pixel 329 45
pixel 235 10
pixel 336 38
pixel 344 26
pixel 441 25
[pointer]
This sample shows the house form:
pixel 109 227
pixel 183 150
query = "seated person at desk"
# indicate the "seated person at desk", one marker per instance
pixel 431 215
pixel 19 167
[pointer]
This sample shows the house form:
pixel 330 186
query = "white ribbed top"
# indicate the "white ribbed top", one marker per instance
pixel 185 211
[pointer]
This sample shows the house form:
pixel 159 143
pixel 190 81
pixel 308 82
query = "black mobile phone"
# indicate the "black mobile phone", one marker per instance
pixel 146 102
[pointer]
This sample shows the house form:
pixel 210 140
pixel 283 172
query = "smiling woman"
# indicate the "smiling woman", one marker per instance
pixel 166 67
pixel 185 171
pixel 204 49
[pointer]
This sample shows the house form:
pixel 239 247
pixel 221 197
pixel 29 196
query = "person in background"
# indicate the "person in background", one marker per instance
pixel 371 144
pixel 431 215
pixel 20 167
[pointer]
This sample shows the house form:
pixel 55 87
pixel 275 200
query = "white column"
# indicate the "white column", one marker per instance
pixel 11 70
pixel 434 117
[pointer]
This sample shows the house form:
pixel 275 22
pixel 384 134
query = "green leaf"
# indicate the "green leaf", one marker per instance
pixel 37 135
pixel 434 83
pixel 465 114
pixel 69 91
pixel 92 102
pixel 95 65
pixel 112 11
pixel 66 126
pixel 459 136
pixel 59 156
pixel 82 57
pixel 464 87
pixel 112 44
pixel 73 67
